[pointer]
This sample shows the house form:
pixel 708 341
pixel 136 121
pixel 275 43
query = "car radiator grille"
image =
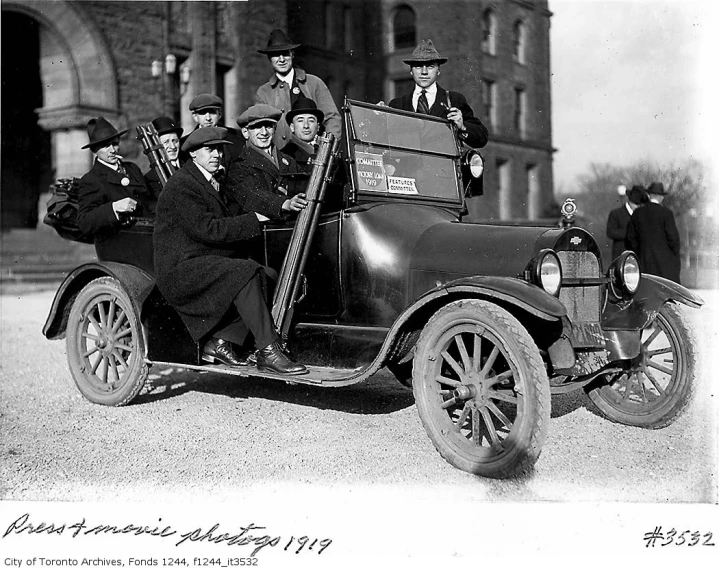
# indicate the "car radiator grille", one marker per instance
pixel 583 302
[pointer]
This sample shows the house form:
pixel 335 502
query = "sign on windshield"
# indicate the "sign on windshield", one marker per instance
pixel 404 155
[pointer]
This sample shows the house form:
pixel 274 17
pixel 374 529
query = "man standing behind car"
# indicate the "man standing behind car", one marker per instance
pixel 169 134
pixel 289 83
pixel 652 234
pixel 199 262
pixel 429 98
pixel 618 220
pixel 113 190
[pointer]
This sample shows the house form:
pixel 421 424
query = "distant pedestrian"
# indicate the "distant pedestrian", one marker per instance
pixel 652 233
pixel 618 220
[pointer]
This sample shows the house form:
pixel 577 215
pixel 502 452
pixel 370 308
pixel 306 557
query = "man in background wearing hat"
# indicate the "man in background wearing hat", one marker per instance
pixel 652 234
pixel 429 98
pixel 618 221
pixel 206 111
pixel 113 190
pixel 289 83
pixel 199 236
pixel 263 179
pixel 169 134
pixel 305 122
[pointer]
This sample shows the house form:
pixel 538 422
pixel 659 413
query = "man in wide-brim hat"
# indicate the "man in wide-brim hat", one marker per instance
pixel 289 83
pixel 429 98
pixel 202 266
pixel 113 191
pixel 169 134
pixel 618 219
pixel 305 122
pixel 652 234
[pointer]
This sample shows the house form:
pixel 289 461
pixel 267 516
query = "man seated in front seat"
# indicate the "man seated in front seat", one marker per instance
pixel 200 266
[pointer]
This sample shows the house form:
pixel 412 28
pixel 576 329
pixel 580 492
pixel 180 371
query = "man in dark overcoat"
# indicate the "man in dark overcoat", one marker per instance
pixel 652 234
pixel 429 98
pixel 262 179
pixel 169 134
pixel 113 190
pixel 200 266
pixel 618 221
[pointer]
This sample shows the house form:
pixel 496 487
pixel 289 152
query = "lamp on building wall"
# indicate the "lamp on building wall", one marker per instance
pixel 168 72
pixel 170 64
pixel 185 73
pixel 156 68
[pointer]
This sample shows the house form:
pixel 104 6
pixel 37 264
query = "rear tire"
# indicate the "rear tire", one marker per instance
pixel 105 344
pixel 481 389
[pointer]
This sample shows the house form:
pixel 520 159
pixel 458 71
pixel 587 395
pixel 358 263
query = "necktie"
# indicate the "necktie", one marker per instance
pixel 215 184
pixel 422 105
pixel 121 169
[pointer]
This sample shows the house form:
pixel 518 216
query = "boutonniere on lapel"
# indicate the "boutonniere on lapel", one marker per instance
pixel 285 162
pixel 296 90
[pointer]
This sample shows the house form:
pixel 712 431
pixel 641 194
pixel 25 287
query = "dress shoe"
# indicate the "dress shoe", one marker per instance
pixel 220 350
pixel 272 358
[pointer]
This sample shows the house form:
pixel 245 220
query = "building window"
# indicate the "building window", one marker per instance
pixel 520 111
pixel 489 32
pixel 533 192
pixel 505 188
pixel 489 98
pixel 402 86
pixel 519 32
pixel 404 28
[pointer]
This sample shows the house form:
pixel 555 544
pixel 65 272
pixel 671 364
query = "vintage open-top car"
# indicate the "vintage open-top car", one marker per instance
pixel 484 321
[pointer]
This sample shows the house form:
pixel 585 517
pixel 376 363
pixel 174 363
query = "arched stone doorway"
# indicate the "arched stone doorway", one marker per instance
pixel 57 74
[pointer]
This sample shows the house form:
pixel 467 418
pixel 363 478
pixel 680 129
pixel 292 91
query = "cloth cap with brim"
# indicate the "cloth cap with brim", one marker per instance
pixel 657 188
pixel 205 100
pixel 278 43
pixel 637 195
pixel 208 136
pixel 165 125
pixel 99 130
pixel 425 53
pixel 258 113
pixel 304 105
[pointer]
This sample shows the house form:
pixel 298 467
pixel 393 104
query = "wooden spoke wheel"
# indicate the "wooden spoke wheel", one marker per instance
pixel 105 344
pixel 481 389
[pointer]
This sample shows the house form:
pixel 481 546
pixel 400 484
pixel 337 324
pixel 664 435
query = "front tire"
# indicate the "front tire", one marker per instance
pixel 481 389
pixel 658 384
pixel 105 344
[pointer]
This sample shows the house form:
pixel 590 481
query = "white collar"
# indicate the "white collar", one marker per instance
pixel 628 208
pixel 208 175
pixel 115 166
pixel 289 78
pixel 431 90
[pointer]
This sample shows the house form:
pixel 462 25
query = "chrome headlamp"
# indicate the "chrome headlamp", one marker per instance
pixel 475 163
pixel 546 272
pixel 624 274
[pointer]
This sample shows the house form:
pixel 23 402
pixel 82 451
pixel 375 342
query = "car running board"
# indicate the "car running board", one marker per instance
pixel 316 375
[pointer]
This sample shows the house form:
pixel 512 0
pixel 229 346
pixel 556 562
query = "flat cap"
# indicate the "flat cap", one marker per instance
pixel 208 136
pixel 205 100
pixel 258 113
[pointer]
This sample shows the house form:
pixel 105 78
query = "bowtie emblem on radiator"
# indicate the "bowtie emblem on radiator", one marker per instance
pixel 576 241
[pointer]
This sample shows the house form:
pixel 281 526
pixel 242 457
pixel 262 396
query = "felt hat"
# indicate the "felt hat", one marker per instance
pixel 303 105
pixel 99 130
pixel 425 53
pixel 165 125
pixel 637 195
pixel 258 113
pixel 205 100
pixel 208 136
pixel 656 188
pixel 278 43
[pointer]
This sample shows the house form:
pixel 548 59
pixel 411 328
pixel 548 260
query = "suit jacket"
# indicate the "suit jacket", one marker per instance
pixel 617 224
pixel 253 180
pixel 277 94
pixel 652 234
pixel 99 188
pixel 199 242
pixel 477 135
pixel 152 180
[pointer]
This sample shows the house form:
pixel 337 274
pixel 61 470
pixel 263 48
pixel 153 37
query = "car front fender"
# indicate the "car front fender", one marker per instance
pixel 135 282
pixel 642 308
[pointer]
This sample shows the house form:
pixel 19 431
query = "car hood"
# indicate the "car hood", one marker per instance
pixel 462 249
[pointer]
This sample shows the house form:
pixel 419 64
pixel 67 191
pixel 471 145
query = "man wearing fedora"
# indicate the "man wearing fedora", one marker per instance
pixel 652 234
pixel 169 134
pixel 429 98
pixel 206 110
pixel 201 266
pixel 305 122
pixel 263 179
pixel 289 83
pixel 618 219
pixel 113 190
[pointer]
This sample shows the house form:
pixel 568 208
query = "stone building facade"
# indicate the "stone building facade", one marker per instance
pixel 65 62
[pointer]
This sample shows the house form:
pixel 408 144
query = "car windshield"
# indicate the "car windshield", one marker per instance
pixel 402 154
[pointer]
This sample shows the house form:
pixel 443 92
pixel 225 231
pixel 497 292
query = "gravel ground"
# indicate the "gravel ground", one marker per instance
pixel 203 438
